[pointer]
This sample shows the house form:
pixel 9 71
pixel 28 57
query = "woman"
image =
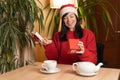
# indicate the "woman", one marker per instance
pixel 58 48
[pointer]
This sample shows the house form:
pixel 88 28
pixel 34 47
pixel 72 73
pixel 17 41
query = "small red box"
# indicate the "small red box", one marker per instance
pixel 73 43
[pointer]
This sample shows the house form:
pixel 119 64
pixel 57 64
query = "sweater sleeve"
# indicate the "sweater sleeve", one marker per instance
pixel 90 53
pixel 51 50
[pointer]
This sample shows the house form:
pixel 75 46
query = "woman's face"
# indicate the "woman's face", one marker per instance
pixel 70 21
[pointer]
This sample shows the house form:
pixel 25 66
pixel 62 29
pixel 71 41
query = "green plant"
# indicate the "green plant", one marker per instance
pixel 17 19
pixel 90 10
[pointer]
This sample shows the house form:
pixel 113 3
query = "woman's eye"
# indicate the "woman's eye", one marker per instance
pixel 65 18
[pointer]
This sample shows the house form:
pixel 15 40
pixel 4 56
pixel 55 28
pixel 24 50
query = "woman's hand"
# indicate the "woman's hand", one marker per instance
pixel 45 41
pixel 81 45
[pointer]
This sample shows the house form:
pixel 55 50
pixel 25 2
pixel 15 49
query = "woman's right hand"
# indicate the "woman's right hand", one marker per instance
pixel 81 45
pixel 45 41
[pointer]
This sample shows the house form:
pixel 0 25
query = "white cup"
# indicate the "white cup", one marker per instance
pixel 49 65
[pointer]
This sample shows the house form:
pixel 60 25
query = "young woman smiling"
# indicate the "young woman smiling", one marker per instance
pixel 58 48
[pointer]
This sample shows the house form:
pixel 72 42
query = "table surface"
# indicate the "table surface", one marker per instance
pixel 32 72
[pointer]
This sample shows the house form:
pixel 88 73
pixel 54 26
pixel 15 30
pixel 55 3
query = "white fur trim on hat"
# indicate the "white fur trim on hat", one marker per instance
pixel 68 8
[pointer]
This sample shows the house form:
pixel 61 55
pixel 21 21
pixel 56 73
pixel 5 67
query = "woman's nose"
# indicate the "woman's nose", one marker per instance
pixel 68 19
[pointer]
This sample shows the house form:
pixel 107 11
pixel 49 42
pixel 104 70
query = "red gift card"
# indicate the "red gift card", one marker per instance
pixel 73 43
pixel 35 38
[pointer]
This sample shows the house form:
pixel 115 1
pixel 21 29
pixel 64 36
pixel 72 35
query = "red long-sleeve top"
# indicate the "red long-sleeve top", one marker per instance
pixel 59 50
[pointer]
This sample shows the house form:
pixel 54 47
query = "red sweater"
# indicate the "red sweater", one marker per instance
pixel 58 50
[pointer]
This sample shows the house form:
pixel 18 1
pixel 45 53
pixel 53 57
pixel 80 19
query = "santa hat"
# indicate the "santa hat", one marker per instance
pixel 68 8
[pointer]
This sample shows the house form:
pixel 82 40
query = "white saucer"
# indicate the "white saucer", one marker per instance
pixel 54 71
pixel 89 74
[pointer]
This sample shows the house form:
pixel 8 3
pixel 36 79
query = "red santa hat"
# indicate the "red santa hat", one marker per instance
pixel 68 8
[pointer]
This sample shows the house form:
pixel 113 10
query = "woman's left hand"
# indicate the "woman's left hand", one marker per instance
pixel 45 41
pixel 81 45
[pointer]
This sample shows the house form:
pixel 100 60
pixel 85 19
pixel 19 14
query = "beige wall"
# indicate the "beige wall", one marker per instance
pixel 39 49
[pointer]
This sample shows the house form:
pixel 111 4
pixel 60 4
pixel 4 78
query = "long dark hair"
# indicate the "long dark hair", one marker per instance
pixel 78 29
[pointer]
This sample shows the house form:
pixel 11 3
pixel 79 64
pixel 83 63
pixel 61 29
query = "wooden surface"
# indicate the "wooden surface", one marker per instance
pixel 32 72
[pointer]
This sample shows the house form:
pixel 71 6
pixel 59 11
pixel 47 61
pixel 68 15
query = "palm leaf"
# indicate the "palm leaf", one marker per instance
pixel 17 19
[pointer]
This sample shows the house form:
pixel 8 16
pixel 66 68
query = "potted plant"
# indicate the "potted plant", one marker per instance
pixel 17 19
pixel 95 11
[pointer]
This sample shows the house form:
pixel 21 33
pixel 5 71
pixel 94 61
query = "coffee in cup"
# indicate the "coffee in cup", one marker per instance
pixel 49 65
